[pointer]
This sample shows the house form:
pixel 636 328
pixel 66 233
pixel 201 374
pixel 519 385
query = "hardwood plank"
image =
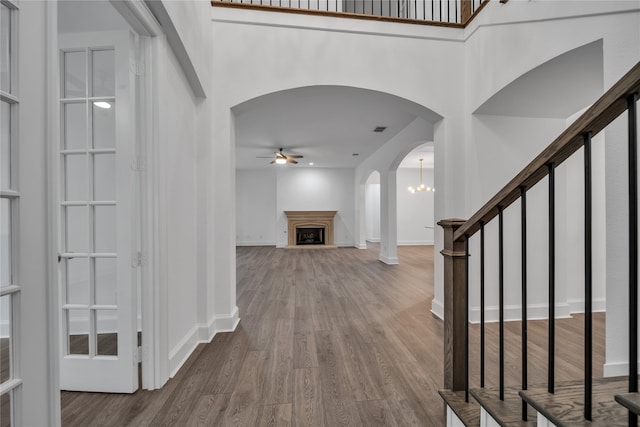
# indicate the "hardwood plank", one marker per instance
pixel 275 415
pixel 327 332
pixel 376 413
pixel 307 398
pixel 209 410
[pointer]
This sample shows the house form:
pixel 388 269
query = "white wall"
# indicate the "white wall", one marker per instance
pixel 256 207
pixel 493 59
pixel 179 135
pixel 415 210
pixel 316 189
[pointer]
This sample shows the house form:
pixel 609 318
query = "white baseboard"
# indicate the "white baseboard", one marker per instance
pixel 513 313
pixel 389 260
pixel 281 245
pixel 361 246
pixel 199 334
pixel 228 322
pixel 598 305
pixel 181 352
pixel 616 369
pixel 416 243
pixel 437 308
pixel 255 243
pixel 373 240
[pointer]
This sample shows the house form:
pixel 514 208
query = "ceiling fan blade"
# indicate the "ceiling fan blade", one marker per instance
pixel 292 161
pixel 295 157
pixel 280 155
pixel 272 162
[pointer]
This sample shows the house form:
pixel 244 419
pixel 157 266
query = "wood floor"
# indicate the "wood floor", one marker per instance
pixel 327 338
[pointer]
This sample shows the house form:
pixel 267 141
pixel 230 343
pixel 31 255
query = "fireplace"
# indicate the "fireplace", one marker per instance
pixel 310 228
pixel 310 236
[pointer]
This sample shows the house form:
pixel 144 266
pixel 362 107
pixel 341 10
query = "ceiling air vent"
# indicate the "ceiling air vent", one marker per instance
pixel 379 128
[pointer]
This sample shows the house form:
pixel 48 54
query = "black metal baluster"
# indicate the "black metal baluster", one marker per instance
pixel 466 319
pixel 588 290
pixel 482 304
pixel 633 249
pixel 455 5
pixel 552 276
pixel 440 7
pixel 433 12
pixel 424 10
pixel 501 294
pixel 523 291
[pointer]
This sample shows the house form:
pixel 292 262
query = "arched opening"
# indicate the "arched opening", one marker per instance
pixel 416 197
pixel 340 135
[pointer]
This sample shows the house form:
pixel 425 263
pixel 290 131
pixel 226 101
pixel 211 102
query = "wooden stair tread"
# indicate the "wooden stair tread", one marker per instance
pixel 468 412
pixel 507 412
pixel 631 401
pixel 565 407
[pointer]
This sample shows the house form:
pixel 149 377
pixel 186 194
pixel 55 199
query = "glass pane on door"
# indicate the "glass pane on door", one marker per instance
pixel 5 49
pixel 104 124
pixel 6 339
pixel 5 145
pixel 5 243
pixel 75 75
pixel 78 281
pixel 75 126
pixel 104 73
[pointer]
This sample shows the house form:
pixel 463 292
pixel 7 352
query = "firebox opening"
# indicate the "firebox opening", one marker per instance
pixel 309 236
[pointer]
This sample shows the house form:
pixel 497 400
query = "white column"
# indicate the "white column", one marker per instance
pixel 388 218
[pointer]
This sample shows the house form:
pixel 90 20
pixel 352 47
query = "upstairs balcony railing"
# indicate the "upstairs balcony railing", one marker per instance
pixel 454 13
pixel 621 99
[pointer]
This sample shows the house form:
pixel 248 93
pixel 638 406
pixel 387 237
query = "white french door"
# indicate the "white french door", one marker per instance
pixel 97 236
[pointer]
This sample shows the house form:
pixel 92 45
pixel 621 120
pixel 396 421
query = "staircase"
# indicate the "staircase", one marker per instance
pixel 613 401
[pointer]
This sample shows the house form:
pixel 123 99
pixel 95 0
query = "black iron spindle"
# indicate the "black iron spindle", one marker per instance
pixel 523 291
pixel 424 10
pixel 482 304
pixel 466 319
pixel 440 7
pixel 455 5
pixel 588 290
pixel 633 249
pixel 501 294
pixel 552 284
pixel 433 12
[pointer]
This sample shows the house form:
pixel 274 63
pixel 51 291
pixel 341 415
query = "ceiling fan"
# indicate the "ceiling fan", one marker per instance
pixel 282 158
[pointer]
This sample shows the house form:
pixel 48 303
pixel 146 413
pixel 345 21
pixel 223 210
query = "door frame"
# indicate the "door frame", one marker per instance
pixel 151 42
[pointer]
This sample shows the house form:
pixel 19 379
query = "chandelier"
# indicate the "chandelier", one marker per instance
pixel 421 187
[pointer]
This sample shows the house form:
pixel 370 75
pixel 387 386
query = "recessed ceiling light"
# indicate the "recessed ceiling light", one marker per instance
pixel 379 128
pixel 311 164
pixel 102 104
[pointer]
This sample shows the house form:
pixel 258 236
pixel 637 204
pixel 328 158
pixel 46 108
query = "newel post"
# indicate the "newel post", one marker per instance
pixel 465 11
pixel 455 306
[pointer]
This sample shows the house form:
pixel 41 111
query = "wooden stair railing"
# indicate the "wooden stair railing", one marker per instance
pixel 621 97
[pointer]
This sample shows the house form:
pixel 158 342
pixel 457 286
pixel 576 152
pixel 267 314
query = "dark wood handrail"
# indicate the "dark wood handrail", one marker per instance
pixel 265 8
pixel 605 110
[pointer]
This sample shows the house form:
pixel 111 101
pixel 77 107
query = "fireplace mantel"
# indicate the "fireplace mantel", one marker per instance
pixel 323 219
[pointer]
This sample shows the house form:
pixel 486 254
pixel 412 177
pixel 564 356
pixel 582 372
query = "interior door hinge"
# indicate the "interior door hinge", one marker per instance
pixel 136 260
pixel 137 356
pixel 137 68
pixel 138 164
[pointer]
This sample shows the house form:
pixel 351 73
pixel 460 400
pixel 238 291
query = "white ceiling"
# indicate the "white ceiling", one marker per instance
pixel 325 124
pixel 556 89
